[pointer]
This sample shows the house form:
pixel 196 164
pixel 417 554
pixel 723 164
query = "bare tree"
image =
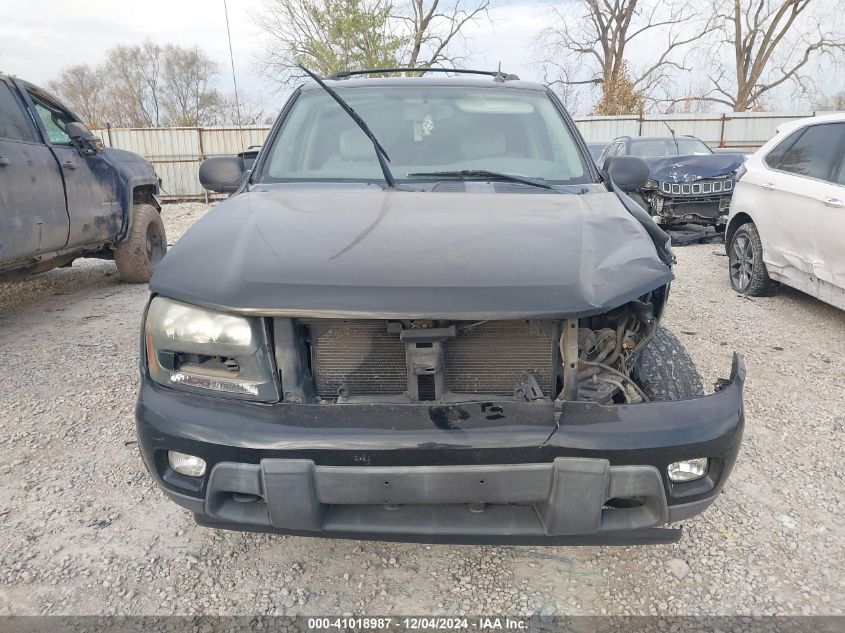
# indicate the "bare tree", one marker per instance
pixel 691 103
pixel 247 111
pixel 326 36
pixel 599 39
pixel 84 90
pixel 434 27
pixel 834 102
pixel 772 43
pixel 144 86
pixel 561 77
pixel 187 97
pixel 134 74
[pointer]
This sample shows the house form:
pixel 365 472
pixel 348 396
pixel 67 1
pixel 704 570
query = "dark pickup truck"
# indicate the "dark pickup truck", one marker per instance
pixel 63 196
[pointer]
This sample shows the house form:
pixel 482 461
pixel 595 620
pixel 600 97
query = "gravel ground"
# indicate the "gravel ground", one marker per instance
pixel 83 530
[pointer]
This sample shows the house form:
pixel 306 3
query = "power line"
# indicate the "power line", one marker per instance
pixel 232 60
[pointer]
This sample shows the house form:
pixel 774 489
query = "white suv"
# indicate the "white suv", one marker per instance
pixel 787 219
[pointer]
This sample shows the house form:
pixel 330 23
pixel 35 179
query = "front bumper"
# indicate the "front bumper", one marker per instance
pixel 689 209
pixel 493 472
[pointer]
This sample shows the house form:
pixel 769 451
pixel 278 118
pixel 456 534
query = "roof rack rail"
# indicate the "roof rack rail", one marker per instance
pixel 497 75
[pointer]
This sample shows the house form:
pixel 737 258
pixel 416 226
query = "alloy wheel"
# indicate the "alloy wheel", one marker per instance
pixel 741 262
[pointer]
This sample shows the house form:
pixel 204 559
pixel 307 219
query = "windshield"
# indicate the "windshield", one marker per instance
pixel 666 147
pixel 425 129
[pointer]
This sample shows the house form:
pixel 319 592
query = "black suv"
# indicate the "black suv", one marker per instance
pixel 63 196
pixel 424 315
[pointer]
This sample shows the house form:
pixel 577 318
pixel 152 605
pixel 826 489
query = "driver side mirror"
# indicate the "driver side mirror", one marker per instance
pixel 626 172
pixel 83 139
pixel 222 174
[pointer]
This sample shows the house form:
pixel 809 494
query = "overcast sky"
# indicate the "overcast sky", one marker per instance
pixel 40 37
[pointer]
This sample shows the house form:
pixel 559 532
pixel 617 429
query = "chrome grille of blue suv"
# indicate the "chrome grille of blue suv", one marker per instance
pixel 698 188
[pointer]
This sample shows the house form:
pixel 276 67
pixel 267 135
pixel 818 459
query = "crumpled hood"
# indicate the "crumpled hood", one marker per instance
pixel 692 167
pixel 394 254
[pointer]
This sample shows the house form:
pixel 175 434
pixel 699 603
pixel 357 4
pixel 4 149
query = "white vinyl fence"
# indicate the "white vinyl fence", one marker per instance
pixel 177 152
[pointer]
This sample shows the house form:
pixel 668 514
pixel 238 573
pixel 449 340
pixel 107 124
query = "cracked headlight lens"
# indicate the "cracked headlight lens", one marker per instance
pixel 196 349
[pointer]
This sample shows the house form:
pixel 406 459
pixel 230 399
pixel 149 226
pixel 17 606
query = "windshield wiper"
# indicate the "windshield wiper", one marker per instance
pixel 381 154
pixel 472 174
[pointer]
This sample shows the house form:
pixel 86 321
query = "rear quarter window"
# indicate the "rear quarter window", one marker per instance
pixel 816 152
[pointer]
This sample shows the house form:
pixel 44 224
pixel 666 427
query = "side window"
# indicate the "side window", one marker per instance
pixel 839 177
pixel 14 123
pixel 815 152
pixel 773 158
pixel 54 119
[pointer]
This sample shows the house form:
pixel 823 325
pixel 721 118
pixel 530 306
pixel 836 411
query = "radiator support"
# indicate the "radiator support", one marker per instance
pixel 433 361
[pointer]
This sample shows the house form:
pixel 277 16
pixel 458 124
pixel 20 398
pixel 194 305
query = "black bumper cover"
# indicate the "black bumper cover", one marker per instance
pixel 493 472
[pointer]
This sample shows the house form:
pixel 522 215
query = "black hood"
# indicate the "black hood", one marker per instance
pixel 692 167
pixel 394 254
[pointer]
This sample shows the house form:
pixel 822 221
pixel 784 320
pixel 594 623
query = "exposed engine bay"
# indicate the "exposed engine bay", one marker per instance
pixel 393 361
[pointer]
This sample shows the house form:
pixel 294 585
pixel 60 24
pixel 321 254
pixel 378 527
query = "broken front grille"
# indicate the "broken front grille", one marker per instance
pixel 698 188
pixel 364 358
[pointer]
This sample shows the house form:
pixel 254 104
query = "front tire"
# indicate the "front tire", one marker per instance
pixel 145 244
pixel 746 269
pixel 665 370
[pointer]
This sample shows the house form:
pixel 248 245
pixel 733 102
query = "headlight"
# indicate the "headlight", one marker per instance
pixel 651 184
pixel 196 349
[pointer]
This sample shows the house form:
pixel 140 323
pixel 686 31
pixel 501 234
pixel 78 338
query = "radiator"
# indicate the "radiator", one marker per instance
pixel 494 356
pixel 489 358
pixel 364 357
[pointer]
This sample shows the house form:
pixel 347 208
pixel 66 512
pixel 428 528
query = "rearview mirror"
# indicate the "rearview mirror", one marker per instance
pixel 222 174
pixel 627 172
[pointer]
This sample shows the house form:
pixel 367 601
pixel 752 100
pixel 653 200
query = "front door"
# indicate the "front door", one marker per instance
pixel 33 216
pixel 90 181
pixel 829 244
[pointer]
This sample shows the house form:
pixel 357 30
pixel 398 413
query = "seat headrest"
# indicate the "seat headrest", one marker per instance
pixel 483 143
pixel 354 145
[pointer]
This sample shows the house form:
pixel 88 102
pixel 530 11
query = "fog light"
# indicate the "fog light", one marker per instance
pixel 186 464
pixel 688 470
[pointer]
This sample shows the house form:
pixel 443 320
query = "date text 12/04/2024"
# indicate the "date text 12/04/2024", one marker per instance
pixel 418 623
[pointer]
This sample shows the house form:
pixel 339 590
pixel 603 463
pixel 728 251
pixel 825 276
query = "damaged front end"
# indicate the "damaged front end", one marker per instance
pixel 496 431
pixel 342 361
pixel 326 389
pixel 691 189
